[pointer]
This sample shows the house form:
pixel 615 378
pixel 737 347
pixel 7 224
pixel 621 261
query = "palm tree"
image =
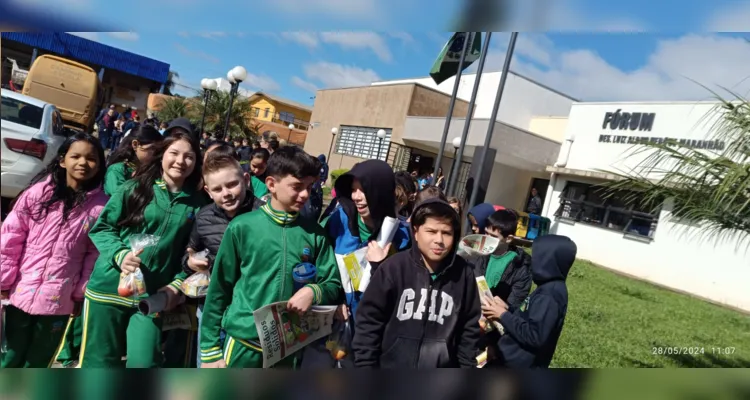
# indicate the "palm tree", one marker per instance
pixel 174 107
pixel 710 189
pixel 172 77
pixel 240 125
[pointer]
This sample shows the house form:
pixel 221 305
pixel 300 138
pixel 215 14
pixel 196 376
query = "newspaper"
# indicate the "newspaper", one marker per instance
pixel 283 332
pixel 484 291
pixel 354 268
pixel 477 245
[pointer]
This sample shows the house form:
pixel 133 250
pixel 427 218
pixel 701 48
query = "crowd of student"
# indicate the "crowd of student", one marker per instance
pixel 65 246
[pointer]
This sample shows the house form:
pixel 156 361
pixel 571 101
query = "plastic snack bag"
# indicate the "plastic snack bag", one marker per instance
pixel 133 285
pixel 196 285
pixel 339 343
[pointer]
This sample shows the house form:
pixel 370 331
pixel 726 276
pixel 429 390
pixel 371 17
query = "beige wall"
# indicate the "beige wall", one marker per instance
pixel 550 127
pixel 384 106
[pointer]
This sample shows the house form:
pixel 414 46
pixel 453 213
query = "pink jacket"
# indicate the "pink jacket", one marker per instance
pixel 46 264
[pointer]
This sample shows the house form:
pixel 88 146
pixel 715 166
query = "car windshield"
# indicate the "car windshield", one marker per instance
pixel 20 112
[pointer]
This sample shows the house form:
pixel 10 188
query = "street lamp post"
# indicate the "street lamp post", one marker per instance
pixel 334 131
pixel 291 128
pixel 208 86
pixel 235 76
pixel 381 135
pixel 456 144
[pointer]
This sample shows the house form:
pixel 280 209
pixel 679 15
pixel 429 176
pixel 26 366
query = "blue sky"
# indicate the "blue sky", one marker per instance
pixel 291 47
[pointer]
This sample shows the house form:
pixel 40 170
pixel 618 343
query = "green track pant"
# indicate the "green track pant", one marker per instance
pixel 32 340
pixel 70 347
pixel 108 330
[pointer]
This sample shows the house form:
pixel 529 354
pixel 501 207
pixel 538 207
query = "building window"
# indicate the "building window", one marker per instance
pixel 256 112
pixel 265 115
pixel 591 204
pixel 286 116
pixel 363 142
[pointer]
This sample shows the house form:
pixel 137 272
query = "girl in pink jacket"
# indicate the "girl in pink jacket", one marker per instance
pixel 46 256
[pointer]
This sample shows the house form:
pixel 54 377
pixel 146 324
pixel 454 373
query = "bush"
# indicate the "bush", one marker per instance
pixel 335 175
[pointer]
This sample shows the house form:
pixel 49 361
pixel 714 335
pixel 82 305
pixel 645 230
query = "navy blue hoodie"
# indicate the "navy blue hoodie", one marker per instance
pixel 533 329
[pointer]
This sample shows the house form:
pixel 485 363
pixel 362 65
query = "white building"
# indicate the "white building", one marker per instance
pixel 661 249
pixel 528 132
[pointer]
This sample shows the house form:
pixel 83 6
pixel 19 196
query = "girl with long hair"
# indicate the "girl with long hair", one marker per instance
pixel 161 200
pixel 136 150
pixel 47 256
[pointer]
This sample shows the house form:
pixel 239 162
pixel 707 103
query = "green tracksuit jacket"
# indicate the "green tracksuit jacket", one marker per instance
pixel 254 268
pixel 117 175
pixel 169 216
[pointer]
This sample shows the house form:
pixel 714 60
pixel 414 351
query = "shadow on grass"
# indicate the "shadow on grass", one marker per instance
pixel 641 364
pixel 636 294
pixel 706 360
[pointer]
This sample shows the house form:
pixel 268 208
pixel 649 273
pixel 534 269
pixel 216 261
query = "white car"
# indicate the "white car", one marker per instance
pixel 31 134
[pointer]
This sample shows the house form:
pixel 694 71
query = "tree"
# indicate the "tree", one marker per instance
pixel 240 121
pixel 172 77
pixel 712 189
pixel 174 107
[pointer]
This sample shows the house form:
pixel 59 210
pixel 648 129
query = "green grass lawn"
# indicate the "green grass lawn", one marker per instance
pixel 615 321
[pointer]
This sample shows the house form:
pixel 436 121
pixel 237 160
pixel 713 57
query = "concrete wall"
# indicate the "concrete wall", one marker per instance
pixel 681 255
pixel 688 120
pixel 522 99
pixel 550 127
pixel 385 106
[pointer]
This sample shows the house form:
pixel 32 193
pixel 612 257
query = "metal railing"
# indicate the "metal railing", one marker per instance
pixel 277 118
pixel 625 220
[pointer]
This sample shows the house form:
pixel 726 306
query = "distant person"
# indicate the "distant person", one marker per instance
pixel 535 203
pixel 323 169
pixel 104 112
pixel 163 127
pixel 106 126
pixel 440 182
pixel 244 151
pixel 406 193
pixel 131 124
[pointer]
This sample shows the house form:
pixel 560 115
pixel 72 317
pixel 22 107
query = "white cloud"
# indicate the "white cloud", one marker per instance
pixel 130 36
pixel 184 34
pixel 87 35
pixel 667 74
pixel 261 82
pixel 303 84
pixel 307 39
pixel 405 37
pixel 358 41
pixel 733 18
pixel 332 75
pixel 211 35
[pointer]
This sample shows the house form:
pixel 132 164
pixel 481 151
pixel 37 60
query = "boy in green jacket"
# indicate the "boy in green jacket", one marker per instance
pixel 253 267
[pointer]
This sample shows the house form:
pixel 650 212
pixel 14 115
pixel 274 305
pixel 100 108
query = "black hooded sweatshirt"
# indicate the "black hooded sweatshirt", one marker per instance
pixel 408 320
pixel 379 186
pixel 533 329
pixel 209 227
